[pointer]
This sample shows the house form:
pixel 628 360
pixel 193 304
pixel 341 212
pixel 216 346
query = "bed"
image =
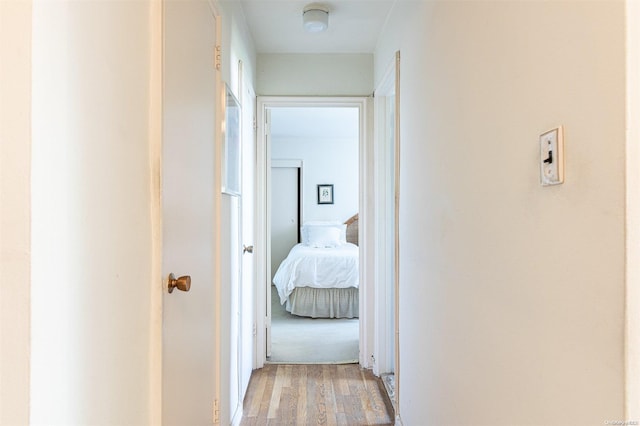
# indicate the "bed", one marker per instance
pixel 319 278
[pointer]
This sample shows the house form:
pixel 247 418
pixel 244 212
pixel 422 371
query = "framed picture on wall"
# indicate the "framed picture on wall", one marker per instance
pixel 325 194
pixel 231 148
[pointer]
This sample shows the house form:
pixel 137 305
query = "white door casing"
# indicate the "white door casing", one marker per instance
pixel 387 186
pixel 263 237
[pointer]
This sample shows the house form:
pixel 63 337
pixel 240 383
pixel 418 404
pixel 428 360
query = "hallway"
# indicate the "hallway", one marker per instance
pixel 316 394
pixel 529 291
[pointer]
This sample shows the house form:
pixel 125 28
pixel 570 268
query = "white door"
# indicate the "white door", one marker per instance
pixel 285 213
pixel 284 218
pixel 189 185
pixel 247 314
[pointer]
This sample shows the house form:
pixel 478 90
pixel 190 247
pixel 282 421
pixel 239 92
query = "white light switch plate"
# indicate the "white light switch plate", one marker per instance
pixel 552 157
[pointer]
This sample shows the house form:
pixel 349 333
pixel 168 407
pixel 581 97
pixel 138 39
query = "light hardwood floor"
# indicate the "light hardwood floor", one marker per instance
pixel 316 395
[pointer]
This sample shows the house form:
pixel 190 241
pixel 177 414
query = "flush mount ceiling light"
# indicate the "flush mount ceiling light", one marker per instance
pixel 315 18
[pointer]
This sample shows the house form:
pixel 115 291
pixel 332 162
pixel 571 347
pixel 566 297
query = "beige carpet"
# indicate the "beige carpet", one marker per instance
pixel 300 340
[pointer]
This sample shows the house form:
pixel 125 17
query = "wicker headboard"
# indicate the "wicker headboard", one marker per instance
pixel 352 229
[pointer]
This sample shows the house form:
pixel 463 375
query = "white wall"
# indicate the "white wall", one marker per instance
pixel 237 45
pixel 325 161
pixel 15 193
pixel 91 230
pixel 316 154
pixel 315 74
pixel 512 295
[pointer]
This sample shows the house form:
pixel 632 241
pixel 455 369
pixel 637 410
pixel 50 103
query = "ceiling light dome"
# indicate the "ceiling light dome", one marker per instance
pixel 315 18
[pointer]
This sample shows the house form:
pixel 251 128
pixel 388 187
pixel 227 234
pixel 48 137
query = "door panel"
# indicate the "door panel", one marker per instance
pixel 247 314
pixel 285 213
pixel 188 189
pixel 229 311
pixel 285 224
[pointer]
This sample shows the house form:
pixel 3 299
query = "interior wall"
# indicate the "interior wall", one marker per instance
pixel 237 45
pixel 15 208
pixel 316 154
pixel 314 74
pixel 91 230
pixel 512 295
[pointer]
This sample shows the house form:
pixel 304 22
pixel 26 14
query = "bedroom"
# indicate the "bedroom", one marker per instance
pixel 314 149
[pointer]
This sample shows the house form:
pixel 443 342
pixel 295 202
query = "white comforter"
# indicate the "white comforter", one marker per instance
pixel 318 268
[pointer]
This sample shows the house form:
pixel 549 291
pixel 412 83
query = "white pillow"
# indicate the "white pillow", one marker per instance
pixel 324 236
pixel 304 231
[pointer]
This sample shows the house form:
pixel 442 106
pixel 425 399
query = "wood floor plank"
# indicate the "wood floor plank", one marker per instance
pixel 319 410
pixel 269 371
pixel 301 409
pixel 257 386
pixel 287 413
pixel 316 395
pixel 377 393
pixel 329 373
pixel 343 384
pixel 274 403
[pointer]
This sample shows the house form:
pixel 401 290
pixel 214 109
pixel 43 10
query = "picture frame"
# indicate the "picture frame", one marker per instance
pixel 325 194
pixel 231 148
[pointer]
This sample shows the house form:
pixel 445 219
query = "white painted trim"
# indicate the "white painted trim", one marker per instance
pixel 382 362
pixel 263 168
pixel 261 237
pixel 286 163
pixel 218 393
pixel 397 236
pixel 389 85
pixel 237 416
pixel 365 234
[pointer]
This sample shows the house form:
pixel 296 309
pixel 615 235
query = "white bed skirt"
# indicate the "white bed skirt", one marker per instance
pixel 324 302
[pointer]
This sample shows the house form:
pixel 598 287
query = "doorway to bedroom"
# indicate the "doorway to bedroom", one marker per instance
pixel 313 201
pixel 326 200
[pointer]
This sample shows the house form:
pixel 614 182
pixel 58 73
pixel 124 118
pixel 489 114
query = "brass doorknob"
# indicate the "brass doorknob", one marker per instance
pixel 182 283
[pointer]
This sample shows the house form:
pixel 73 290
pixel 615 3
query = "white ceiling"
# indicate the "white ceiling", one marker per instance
pixel 354 26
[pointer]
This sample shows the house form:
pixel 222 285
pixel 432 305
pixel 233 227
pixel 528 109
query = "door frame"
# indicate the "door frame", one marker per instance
pixel 385 214
pixel 388 200
pixel 263 169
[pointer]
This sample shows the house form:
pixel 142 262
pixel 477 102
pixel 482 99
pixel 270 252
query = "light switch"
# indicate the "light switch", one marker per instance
pixel 551 157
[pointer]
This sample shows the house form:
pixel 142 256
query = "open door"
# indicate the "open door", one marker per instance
pixel 266 282
pixel 189 190
pixel 247 287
